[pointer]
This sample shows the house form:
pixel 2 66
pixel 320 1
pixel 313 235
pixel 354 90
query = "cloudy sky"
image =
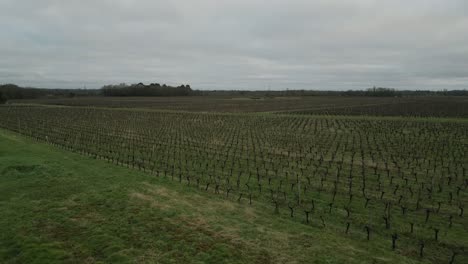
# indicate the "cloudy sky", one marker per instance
pixel 236 44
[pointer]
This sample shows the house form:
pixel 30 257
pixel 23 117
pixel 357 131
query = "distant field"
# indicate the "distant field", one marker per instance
pixel 315 105
pixel 380 179
pixel 417 107
pixel 211 103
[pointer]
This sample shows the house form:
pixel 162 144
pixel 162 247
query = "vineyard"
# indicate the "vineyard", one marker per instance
pixel 399 180
pixel 430 106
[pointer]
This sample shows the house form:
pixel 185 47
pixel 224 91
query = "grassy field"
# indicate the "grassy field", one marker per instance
pixel 61 207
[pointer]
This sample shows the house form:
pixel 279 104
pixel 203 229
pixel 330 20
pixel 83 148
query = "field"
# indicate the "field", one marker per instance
pixel 376 180
pixel 317 105
pixel 61 207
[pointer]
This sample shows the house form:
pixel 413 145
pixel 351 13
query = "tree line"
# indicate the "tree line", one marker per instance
pixel 370 92
pixel 12 91
pixel 140 89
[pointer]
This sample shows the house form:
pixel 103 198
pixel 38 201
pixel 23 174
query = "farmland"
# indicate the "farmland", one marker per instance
pixel 431 106
pixel 62 207
pixel 383 171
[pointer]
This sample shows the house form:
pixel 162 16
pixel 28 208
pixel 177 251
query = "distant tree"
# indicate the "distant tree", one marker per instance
pixel 382 92
pixel 2 98
pixel 140 89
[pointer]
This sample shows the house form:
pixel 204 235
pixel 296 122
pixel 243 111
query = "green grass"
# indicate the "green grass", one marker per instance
pixel 60 207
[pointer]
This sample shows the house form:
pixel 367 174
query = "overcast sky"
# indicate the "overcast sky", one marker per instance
pixel 236 44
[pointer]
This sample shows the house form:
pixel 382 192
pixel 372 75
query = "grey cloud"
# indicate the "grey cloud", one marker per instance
pixel 243 44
